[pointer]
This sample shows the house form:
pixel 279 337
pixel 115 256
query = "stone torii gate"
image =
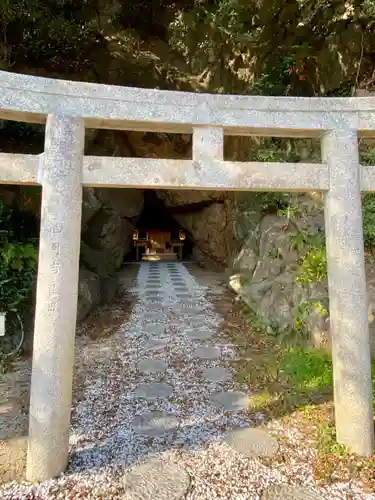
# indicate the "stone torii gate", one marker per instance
pixel 68 107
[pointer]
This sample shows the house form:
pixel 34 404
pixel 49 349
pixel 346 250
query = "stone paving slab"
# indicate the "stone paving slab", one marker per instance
pixel 156 480
pixel 152 316
pixel 230 401
pixel 208 352
pixel 154 330
pixel 156 306
pixel 153 293
pixel 150 365
pixel 157 344
pixel 198 334
pixel 186 311
pixel 154 423
pixel 153 390
pixel 190 303
pixel 198 321
pixel 216 374
pixel 252 442
pixel 288 492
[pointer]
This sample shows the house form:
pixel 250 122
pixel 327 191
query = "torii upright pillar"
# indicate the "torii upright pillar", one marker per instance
pixel 57 292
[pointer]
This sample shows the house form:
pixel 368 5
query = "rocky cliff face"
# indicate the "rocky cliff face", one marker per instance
pixel 108 220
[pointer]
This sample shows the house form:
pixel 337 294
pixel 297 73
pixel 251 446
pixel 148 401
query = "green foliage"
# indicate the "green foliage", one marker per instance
pixel 326 440
pixel 367 156
pixel 17 274
pixel 272 149
pixel 292 210
pixel 268 202
pixel 305 308
pixel 286 150
pixel 310 370
pixel 313 266
pixel 368 205
pixel 307 370
pixel 236 39
pixel 274 252
pixel 313 260
pixel 61 34
pixel 255 321
pixel 18 260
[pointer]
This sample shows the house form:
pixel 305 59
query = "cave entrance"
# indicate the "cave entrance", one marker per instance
pixel 158 236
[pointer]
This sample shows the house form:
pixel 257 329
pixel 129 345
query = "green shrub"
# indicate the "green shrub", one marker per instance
pixel 17 274
pixel 369 220
pixel 313 266
pixel 18 262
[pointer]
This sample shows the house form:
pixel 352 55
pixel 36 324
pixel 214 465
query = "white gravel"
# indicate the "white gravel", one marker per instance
pixel 103 444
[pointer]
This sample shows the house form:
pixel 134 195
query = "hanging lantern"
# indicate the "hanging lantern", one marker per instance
pixel 135 234
pixel 181 235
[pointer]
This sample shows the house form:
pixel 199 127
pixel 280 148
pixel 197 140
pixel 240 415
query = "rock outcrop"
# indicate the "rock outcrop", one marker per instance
pixel 211 229
pixel 208 218
pixel 108 220
pixel 88 292
pixel 265 274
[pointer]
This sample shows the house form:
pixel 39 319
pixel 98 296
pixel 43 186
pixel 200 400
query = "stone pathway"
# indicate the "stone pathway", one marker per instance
pixel 158 415
pixel 183 389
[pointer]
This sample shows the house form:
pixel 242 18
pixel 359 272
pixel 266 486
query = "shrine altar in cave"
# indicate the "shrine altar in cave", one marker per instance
pixel 158 244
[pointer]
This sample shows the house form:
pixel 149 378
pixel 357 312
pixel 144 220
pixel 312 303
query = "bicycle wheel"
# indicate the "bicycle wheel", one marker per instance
pixel 11 342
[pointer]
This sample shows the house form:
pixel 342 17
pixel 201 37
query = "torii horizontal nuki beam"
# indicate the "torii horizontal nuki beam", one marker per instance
pixel 151 173
pixel 68 108
pixel 108 171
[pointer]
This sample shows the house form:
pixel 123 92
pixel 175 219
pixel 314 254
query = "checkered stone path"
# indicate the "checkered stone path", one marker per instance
pixel 179 328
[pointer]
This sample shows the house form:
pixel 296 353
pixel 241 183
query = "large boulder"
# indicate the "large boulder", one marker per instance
pixel 105 242
pixel 90 206
pixel 181 198
pixel 124 202
pixel 212 230
pixel 88 292
pixel 107 226
pixel 264 274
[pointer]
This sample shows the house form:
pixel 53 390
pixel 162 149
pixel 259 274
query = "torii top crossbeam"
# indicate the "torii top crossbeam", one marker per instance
pixel 30 99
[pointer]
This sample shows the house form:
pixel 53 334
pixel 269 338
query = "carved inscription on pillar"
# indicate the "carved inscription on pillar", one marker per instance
pixel 57 291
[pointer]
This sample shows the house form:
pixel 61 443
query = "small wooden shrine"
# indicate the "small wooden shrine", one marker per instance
pixel 158 244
